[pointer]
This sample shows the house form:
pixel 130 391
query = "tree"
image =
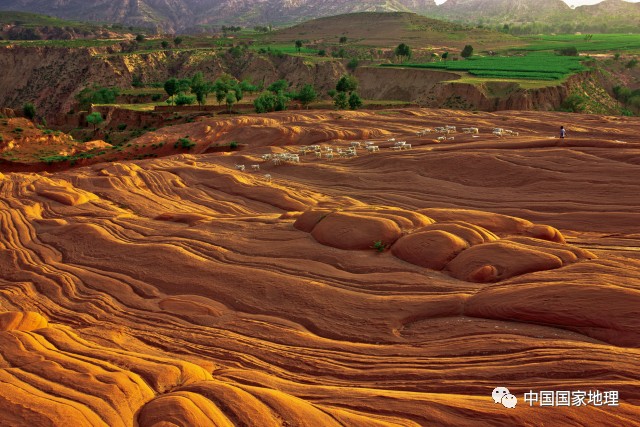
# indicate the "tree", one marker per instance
pixel 298 45
pixel 403 51
pixel 354 101
pixel 164 44
pixel 200 88
pixel 282 101
pixel 347 83
pixel 341 101
pixel 184 85
pixel 307 95
pixel 343 39
pixel 95 119
pixel 220 96
pixel 467 51
pixel 177 41
pixel 230 100
pixel 248 87
pixel 140 38
pixel 265 102
pixel 238 92
pixel 171 87
pixel 97 95
pixel 278 86
pixel 29 110
pixel 444 55
pixel 353 64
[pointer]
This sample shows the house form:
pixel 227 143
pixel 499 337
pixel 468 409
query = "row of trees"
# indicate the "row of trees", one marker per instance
pixel 278 96
pixel 226 88
pixel 403 52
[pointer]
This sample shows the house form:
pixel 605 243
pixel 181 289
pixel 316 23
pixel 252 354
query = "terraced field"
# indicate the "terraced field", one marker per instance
pixel 533 66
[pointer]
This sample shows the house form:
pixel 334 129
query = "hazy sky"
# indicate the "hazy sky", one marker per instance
pixel 569 2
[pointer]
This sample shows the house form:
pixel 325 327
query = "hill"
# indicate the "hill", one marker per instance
pixel 501 10
pixel 31 26
pixel 609 15
pixel 390 29
pixel 545 16
pixel 181 15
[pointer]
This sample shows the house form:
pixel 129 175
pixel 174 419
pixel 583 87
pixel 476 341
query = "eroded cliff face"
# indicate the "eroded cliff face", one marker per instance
pixel 52 77
pixel 438 89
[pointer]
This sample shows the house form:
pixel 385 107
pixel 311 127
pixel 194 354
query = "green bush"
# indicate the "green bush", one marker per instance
pixel 122 126
pixel 569 51
pixel 183 99
pixel 184 143
pixel 379 246
pixel 233 145
pixel 573 103
pixel 29 111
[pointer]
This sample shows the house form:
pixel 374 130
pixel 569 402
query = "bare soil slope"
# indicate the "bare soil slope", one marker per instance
pixel 183 291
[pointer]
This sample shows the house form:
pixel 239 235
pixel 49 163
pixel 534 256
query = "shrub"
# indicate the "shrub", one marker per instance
pixel 122 126
pixel 573 103
pixel 183 99
pixel 569 51
pixel 156 97
pixel 467 51
pixel 233 145
pixel 632 63
pixel 184 143
pixel 29 110
pixel 353 64
pixel 379 246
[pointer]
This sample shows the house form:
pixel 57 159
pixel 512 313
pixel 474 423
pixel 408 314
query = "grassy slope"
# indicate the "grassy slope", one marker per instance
pixel 386 30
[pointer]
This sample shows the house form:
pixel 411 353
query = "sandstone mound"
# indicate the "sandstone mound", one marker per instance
pixel 22 321
pixel 468 251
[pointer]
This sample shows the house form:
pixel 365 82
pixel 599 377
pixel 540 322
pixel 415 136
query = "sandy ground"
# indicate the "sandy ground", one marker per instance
pixel 181 291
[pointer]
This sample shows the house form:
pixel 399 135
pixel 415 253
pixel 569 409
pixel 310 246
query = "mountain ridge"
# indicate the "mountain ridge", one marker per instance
pixel 193 15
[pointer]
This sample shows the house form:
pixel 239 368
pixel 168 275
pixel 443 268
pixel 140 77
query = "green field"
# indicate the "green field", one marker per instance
pixel 288 49
pixel 597 43
pixel 77 43
pixel 533 66
pixel 25 19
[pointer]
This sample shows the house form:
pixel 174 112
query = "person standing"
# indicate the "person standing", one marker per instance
pixel 563 132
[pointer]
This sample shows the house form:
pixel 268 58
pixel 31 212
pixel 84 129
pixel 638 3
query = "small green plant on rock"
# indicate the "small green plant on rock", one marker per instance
pixel 379 246
pixel 184 143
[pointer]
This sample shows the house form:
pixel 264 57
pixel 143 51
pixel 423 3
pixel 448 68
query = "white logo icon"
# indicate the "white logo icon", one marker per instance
pixel 503 396
pixel 509 401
